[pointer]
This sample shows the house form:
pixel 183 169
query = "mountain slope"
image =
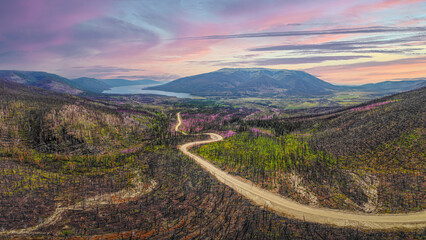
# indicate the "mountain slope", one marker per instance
pixel 124 82
pixel 250 82
pixel 60 84
pixel 374 123
pixel 100 85
pixel 240 82
pixel 91 84
pixel 43 80
pixel 393 86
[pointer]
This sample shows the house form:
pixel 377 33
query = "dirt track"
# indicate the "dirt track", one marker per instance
pixel 178 125
pixel 296 210
pixel 121 196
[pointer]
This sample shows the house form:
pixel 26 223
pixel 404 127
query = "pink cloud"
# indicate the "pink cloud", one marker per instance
pixel 153 35
pixel 32 25
pixel 371 71
pixel 376 6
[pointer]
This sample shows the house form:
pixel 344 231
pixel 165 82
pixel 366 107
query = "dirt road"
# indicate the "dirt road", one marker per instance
pixel 296 210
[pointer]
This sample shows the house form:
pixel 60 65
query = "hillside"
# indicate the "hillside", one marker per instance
pixel 58 149
pixel 50 122
pixel 393 86
pixel 43 80
pixel 241 82
pixel 367 158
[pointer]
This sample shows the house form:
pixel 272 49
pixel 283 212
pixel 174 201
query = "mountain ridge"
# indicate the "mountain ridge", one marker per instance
pixel 267 82
pixel 57 83
pixel 230 82
pixel 249 81
pixel 44 80
pixel 100 85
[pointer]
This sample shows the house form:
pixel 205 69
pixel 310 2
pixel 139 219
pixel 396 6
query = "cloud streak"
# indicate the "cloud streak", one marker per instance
pixel 363 72
pixel 301 60
pixel 109 38
pixel 336 31
pixel 152 77
pixel 343 45
pixel 373 64
pixel 105 69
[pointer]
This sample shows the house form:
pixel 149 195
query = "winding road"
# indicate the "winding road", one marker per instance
pixel 293 209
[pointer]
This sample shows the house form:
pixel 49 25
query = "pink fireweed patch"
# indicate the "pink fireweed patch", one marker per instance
pixel 253 115
pixel 229 134
pixel 368 107
pixel 198 122
pixel 130 150
pixel 228 116
pixel 225 134
pixel 268 115
pixel 258 131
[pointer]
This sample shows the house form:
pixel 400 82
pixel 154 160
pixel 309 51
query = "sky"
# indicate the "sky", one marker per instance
pixel 339 41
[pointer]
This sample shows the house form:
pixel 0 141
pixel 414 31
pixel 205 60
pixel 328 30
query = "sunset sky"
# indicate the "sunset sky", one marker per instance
pixel 339 41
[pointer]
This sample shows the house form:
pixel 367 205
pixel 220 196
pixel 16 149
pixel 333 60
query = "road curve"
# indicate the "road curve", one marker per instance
pixel 299 211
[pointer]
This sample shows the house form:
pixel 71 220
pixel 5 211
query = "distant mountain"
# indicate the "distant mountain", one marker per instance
pixel 233 82
pixel 250 82
pixel 239 82
pixel 100 85
pixel 43 80
pixel 91 84
pixel 393 86
pixel 124 82
pixel 60 84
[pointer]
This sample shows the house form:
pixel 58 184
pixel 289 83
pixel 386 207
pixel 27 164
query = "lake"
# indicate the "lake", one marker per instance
pixel 138 89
